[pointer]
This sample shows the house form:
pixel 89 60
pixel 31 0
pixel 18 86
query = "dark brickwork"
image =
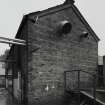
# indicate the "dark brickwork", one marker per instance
pixel 50 56
pixel 18 68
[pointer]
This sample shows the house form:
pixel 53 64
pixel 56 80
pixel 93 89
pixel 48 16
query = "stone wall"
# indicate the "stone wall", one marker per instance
pixel 51 55
pixel 20 67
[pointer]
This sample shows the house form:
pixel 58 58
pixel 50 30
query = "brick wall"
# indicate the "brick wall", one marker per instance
pixel 50 56
pixel 20 67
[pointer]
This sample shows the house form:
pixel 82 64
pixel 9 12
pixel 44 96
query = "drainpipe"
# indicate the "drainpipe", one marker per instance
pixel 25 96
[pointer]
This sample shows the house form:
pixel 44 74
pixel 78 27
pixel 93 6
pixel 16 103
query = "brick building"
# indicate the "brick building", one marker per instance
pixel 58 39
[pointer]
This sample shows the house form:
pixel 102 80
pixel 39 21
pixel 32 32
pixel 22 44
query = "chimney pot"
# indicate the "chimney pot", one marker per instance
pixel 69 1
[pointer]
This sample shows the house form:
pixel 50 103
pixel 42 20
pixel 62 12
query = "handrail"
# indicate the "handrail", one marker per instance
pixel 94 75
pixel 76 86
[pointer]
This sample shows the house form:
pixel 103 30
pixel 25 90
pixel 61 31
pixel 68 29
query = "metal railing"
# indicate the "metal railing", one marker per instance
pixel 80 81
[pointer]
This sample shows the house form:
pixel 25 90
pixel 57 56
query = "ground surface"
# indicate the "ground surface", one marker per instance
pixel 5 99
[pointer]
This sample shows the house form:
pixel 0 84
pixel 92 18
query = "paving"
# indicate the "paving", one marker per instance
pixel 5 98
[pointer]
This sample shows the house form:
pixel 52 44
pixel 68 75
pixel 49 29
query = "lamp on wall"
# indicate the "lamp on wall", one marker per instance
pixel 84 34
pixel 63 27
pixel 34 20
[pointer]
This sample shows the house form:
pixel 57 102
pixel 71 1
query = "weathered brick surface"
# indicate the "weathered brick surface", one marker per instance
pixel 50 56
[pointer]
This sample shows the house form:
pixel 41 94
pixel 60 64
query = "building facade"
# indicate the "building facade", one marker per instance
pixel 58 40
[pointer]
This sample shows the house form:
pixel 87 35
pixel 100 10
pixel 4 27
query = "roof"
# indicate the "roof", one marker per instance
pixel 56 9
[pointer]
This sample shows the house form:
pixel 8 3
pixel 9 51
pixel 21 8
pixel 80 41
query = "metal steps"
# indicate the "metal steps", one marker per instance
pixel 91 96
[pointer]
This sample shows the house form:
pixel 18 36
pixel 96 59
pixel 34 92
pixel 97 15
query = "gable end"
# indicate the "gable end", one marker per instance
pixel 77 12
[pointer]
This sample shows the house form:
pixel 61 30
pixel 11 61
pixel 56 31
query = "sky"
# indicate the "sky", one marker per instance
pixel 12 11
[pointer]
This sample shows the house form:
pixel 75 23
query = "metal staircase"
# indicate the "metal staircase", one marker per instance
pixel 84 85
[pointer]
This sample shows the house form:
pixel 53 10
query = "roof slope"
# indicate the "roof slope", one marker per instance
pixel 54 10
pixel 85 22
pixel 97 99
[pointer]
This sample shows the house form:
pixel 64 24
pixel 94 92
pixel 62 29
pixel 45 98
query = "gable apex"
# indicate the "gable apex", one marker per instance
pixel 82 19
pixel 56 9
pixel 67 4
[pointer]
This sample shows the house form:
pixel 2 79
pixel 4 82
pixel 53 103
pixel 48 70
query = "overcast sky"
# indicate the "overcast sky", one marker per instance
pixel 12 11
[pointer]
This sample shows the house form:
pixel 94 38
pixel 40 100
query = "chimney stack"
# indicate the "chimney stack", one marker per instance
pixel 69 2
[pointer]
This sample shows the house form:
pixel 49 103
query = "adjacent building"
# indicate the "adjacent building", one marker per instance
pixel 2 70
